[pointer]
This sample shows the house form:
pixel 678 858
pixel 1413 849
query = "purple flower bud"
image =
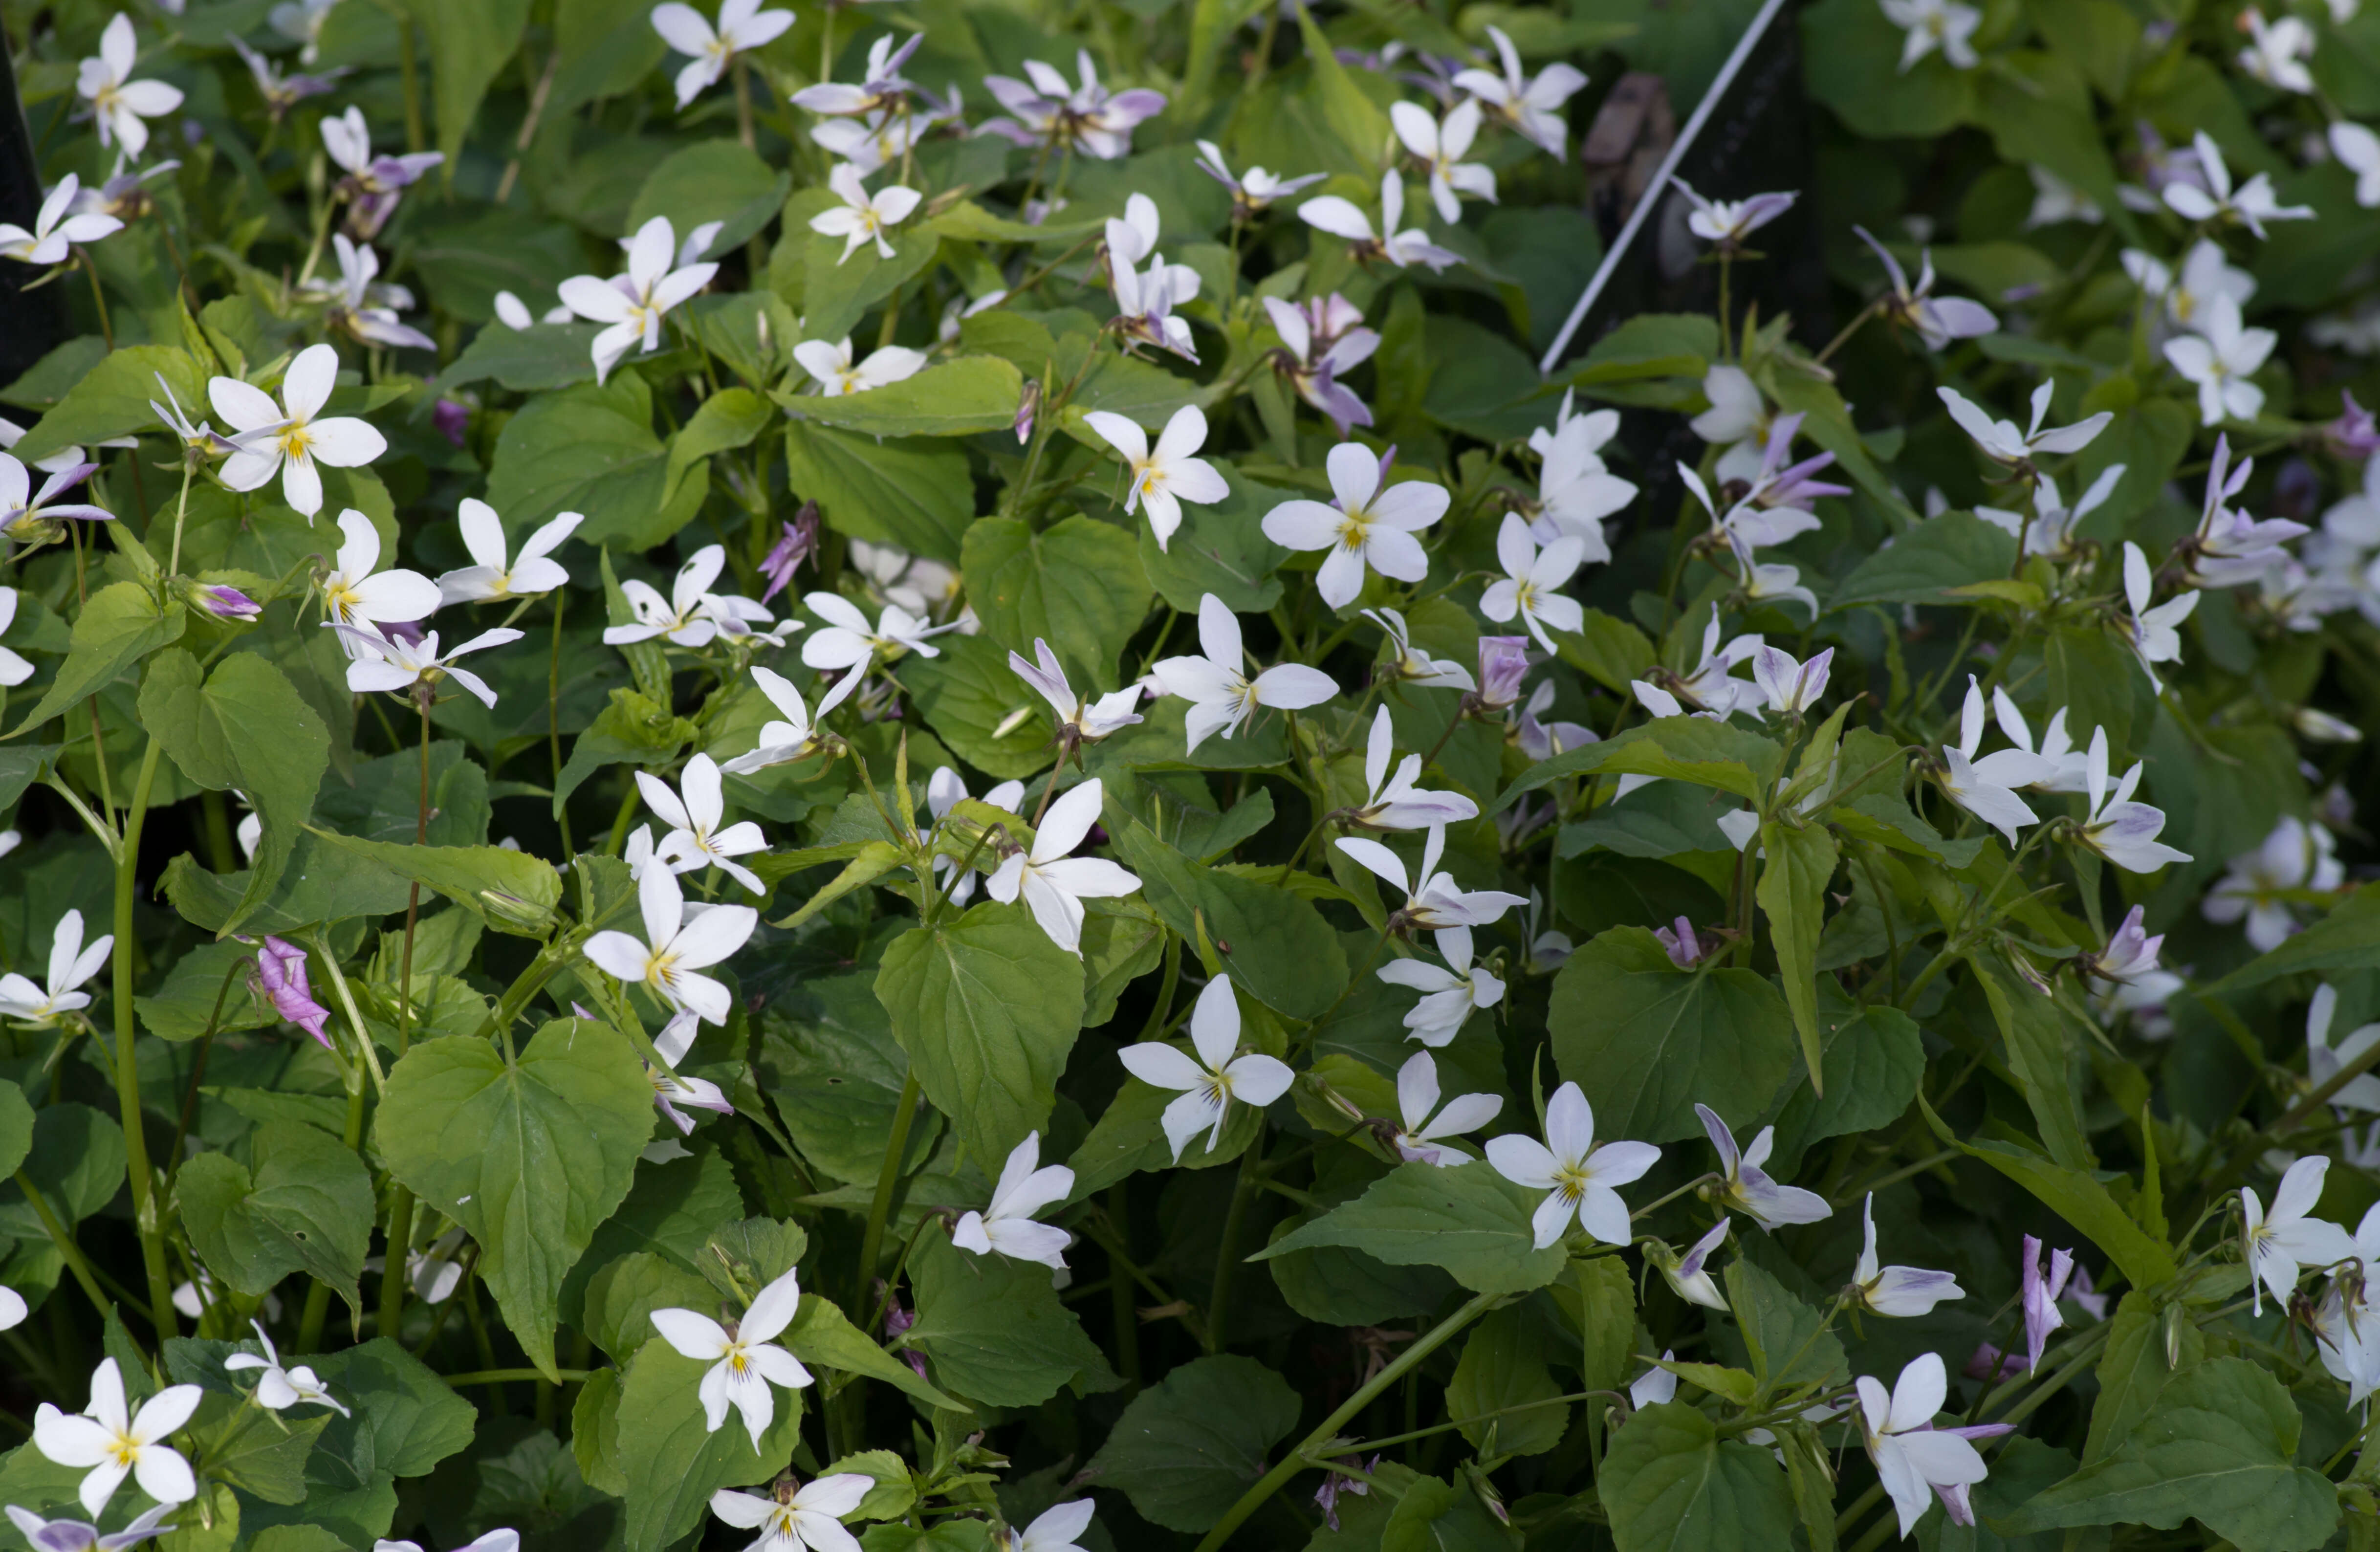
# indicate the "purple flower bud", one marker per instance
pixel 797 544
pixel 280 972
pixel 1027 405
pixel 2352 435
pixel 451 419
pixel 1502 661
pixel 1685 950
pixel 226 602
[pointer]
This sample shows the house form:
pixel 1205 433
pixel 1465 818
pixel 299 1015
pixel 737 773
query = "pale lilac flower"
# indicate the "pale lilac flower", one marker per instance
pixel 70 966
pixel 1321 344
pixel 2123 831
pixel 1253 191
pixel 493 1541
pixel 396 665
pixel 1366 526
pixel 1931 24
pixel 1532 582
pixel 2039 1293
pixel 2228 548
pixel 2251 204
pixel 494 577
pixel 1911 1455
pixel 1532 108
pixel 121 104
pixel 115 1442
pixel 1052 112
pixel 2152 634
pixel 2298 856
pixel 797 543
pixel 676 946
pixel 1937 319
pixel 1711 686
pixel 1689 1275
pixel 1440 146
pixel 1326 1498
pixel 292 437
pixel 1791 686
pixel 1449 993
pixel 670 1090
pixel 1341 218
pixel 1007 1225
pixel 1145 304
pixel 1214 1077
pixel 360 308
pixel 1086 722
pixel 1580 1178
pixel 745 1362
pixel 281 972
pixel 1748 1188
pixel 54 229
pixel 1726 223
pixel 1393 802
pixel 801 734
pixel 1053 884
pixel 279 1389
pixel 2277 1246
pixel 77 1535
pixel 1677 940
pixel 743 27
pixel 29 516
pixel 2129 964
pixel 693 812
pixel 1747 524
pixel 1408 664
pixel 1162 481
pixel 882 88
pixel 2220 360
pixel 373 184
pixel 1504 662
pixel 633 304
pixel 281 92
pixel 1540 739
pixel 1896 1290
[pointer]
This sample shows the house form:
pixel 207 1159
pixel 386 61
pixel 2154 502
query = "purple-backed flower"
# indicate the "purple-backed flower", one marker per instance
pixel 1747 1187
pixel 1990 1364
pixel 1936 319
pixel 1253 191
pixel 1503 659
pixel 1956 1503
pixel 1689 1275
pixel 281 974
pixel 31 517
pixel 77 1535
pixel 360 306
pixel 1326 1497
pixel 883 90
pixel 225 602
pixel 2353 435
pixel 1684 949
pixel 281 92
pixel 1029 404
pixel 1896 1290
pixel 451 419
pixel 1321 342
pixel 1724 223
pixel 374 184
pixel 796 544
pixel 1051 112
pixel 670 1090
pixel 2041 1289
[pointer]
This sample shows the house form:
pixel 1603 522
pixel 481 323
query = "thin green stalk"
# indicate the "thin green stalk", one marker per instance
pixel 1120 1307
pixel 400 1205
pixel 871 1243
pixel 145 1206
pixel 67 1250
pixel 503 1376
pixel 198 1071
pixel 1227 1262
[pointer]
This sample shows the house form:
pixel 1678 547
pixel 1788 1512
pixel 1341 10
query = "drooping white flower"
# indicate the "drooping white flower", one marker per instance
pixel 70 966
pixel 1055 883
pixel 1393 802
pixel 2279 1244
pixel 1424 1126
pixel 55 230
pixel 679 619
pixel 1162 481
pixel 1580 1179
pixel 1367 527
pixel 1441 145
pixel 121 104
pixel 670 1088
pixel 882 88
pixel 1911 1455
pixel 693 813
pixel 2277 52
pixel 1408 664
pixel 355 593
pixel 1212 1080
pixel 2050 530
pixel 1533 108
pixel 2129 964
pixel 2003 442
pixel 394 665
pixel 1901 1292
pixel 743 26
pixel 290 438
pixel 2152 634
pixel 849 641
pixel 1689 1275
pixel 1449 992
pixel 494 577
pixel 279 1389
pixel 1530 586
pixel 675 946
pixel 1007 1224
pixel 2297 857
pixel 1945 25
pixel 1254 191
pixel 2220 360
pixel 2123 831
pixel 115 1442
pixel 1079 720
pixel 1434 902
pixel 1058 1529
pixel 863 217
pixel 1936 319
pixel 633 304
pixel 1343 218
pixel 1747 1188
pixel 801 734
pixel 1223 694
pixel 806 1520
pixel 743 1361
pixel 373 183
pixel 1987 787
pixel 2071 764
pixel 2250 204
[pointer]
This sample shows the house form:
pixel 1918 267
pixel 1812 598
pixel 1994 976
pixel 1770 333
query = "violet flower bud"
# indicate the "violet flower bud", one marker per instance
pixel 223 601
pixel 451 419
pixel 1502 662
pixel 280 972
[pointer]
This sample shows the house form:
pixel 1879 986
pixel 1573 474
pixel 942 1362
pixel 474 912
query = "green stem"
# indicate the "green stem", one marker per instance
pixel 871 1243
pixel 1276 1479
pixel 553 716
pixel 67 1250
pixel 1218 1296
pixel 145 1206
pixel 513 1377
pixel 1120 1307
pixel 198 1071
pixel 400 1204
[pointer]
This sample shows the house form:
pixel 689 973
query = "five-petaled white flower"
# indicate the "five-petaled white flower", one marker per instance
pixel 1747 1187
pixel 357 594
pixel 1434 902
pixel 1055 883
pixel 116 1442
pixel 1792 687
pixel 493 578
pixel 744 1361
pixel 394 664
pixel 290 438
pixel 121 104
pixel 681 620
pixel 1533 108
pixel 1392 801
pixel 1913 1457
pixel 633 304
pixel 743 26
pixel 1532 581
pixel 1424 1126
pixel 279 1389
pixel 2277 1244
pixel 2055 747
pixel 863 217
pixel 1007 1224
pixel 801 734
pixel 1214 1077
pixel 504 1540
pixel 1581 1179
pixel 2123 831
pixel 2221 359
pixel 676 946
pixel 1223 694
pixel 2153 634
pixel 1343 218
pixel 1449 992
pixel 2297 855
pixel 1440 146
pixel 1079 720
pixel 1728 222
pixel 836 374
pixel 693 813
pixel 1895 1291
pixel 1253 191
pixel 2250 204
pixel 1164 479
pixel 1986 787
pixel 1934 24
pixel 70 966
pixel 1366 526
pixel 849 641
pixel 2277 51
pixel 2004 444
pixel 53 230
pixel 806 1520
